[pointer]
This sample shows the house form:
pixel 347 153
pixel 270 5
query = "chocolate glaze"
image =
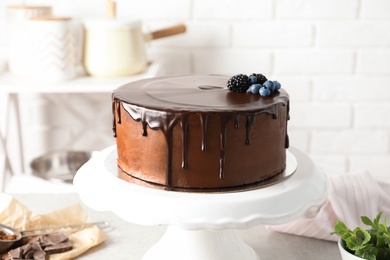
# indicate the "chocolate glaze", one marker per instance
pixel 162 103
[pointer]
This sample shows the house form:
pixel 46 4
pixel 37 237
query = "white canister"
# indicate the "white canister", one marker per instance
pixel 18 36
pixel 53 48
pixel 114 48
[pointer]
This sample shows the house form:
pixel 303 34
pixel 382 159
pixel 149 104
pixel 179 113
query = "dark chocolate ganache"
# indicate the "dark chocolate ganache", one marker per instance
pixel 163 102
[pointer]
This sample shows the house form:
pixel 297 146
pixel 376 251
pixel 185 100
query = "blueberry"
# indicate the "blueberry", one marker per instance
pixel 254 88
pixel 277 85
pixel 260 77
pixel 269 85
pixel 264 92
pixel 253 79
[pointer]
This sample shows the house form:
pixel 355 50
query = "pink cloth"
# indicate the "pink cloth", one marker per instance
pixel 350 197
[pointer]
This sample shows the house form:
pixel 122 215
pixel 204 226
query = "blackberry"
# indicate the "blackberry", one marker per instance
pixel 260 78
pixel 239 83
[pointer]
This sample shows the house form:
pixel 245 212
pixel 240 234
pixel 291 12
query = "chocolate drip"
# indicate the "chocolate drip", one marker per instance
pixel 118 109
pixel 166 123
pixel 144 131
pixel 203 121
pixel 168 138
pixel 236 118
pixel 224 119
pixel 115 106
pixel 250 120
pixel 113 120
pixel 287 142
pixel 184 127
pixel 287 139
pixel 273 110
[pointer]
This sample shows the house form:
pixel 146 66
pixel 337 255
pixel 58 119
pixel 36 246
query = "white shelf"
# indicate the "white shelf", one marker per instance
pixel 12 86
pixel 10 83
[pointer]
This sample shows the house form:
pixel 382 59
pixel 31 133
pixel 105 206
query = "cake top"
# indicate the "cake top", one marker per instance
pixel 193 94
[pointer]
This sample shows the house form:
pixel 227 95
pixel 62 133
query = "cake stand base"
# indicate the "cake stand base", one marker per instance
pixel 200 244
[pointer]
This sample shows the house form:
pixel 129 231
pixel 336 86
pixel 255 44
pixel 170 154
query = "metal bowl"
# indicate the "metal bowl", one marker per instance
pixel 59 165
pixel 7 244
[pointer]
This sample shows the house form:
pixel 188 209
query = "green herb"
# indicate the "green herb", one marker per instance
pixel 371 244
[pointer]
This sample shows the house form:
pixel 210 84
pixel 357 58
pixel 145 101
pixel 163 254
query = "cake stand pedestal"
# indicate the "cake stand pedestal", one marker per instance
pixel 178 243
pixel 201 225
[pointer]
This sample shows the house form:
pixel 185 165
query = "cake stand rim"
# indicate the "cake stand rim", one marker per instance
pixel 291 197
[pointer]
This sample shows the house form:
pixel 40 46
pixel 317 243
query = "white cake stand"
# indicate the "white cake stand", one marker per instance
pixel 200 225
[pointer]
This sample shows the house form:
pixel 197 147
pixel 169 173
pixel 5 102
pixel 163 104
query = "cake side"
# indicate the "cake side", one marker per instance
pixel 236 141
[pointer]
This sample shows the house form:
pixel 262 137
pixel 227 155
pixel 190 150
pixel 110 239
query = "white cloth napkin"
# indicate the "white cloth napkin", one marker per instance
pixel 350 196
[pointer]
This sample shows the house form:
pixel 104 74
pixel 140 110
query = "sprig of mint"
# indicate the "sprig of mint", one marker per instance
pixel 372 243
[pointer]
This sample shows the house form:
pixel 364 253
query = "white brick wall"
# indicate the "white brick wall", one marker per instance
pixel 319 9
pixel 350 141
pixel 321 115
pixel 358 33
pixel 225 61
pixel 352 89
pixel 370 115
pixel 272 34
pixel 374 62
pixel 375 9
pixel 317 62
pixel 232 10
pixel 332 56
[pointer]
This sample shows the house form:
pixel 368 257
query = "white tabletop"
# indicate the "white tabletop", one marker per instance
pixel 130 241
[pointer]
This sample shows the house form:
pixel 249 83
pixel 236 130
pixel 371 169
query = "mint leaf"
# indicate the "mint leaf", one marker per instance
pixel 376 220
pixel 341 230
pixel 383 227
pixel 368 222
pixel 358 239
pixel 362 234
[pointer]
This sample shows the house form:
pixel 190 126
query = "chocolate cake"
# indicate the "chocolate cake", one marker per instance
pixel 191 133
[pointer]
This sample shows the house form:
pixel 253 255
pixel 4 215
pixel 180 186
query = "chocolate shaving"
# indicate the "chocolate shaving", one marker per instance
pixel 39 248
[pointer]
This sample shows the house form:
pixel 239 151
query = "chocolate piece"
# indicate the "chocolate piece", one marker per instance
pixel 54 239
pixel 29 251
pixel 39 247
pixel 16 253
pixel 35 251
pixel 59 248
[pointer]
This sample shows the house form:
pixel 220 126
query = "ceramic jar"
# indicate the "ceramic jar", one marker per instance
pixel 18 36
pixel 53 48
